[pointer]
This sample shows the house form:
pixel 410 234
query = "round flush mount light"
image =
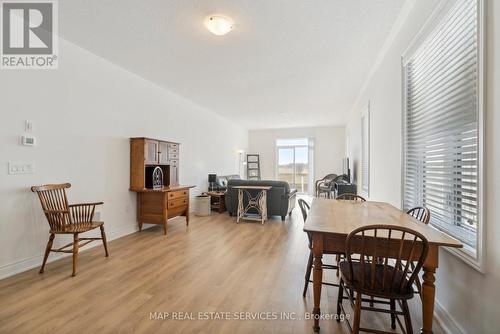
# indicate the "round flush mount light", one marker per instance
pixel 218 25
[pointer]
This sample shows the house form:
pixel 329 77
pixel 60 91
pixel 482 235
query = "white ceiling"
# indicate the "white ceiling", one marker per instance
pixel 286 63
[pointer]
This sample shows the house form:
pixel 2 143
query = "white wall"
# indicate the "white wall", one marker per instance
pixel 329 148
pixel 468 297
pixel 83 115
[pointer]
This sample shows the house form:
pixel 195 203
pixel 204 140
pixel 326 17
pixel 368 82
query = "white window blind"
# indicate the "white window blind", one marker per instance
pixel 442 124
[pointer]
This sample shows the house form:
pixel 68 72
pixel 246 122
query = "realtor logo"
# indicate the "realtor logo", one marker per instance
pixel 29 35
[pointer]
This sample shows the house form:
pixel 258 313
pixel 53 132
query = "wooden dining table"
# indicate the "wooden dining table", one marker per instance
pixel 330 221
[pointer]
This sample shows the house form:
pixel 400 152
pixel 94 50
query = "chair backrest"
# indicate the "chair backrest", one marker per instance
pixel 341 178
pixel 421 213
pixel 54 204
pixel 350 197
pixel 376 245
pixel 329 177
pixel 304 208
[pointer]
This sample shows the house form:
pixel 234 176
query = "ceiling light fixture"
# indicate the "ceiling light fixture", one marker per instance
pixel 218 25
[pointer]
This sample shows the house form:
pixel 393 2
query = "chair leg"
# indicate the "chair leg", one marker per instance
pixel 308 273
pixel 337 258
pixel 47 251
pixel 406 311
pixel 75 252
pixel 417 283
pixel 357 314
pixel 393 315
pixel 340 299
pixel 104 242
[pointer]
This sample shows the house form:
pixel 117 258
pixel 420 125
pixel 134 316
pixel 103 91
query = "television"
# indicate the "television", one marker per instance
pixel 345 169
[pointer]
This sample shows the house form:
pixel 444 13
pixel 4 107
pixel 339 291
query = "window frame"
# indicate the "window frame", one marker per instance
pixel 476 261
pixel 310 156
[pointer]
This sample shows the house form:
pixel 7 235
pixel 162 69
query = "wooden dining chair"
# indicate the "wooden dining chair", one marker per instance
pixel 64 218
pixel 304 208
pixel 384 281
pixel 350 197
pixel 422 214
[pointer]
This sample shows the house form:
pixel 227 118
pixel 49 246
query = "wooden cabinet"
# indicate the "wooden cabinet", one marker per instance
pixel 156 206
pixel 146 154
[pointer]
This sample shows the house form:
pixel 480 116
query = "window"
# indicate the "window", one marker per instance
pixel 365 151
pixel 294 162
pixel 442 126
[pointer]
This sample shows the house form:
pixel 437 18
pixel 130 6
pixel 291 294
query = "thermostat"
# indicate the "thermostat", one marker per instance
pixel 28 140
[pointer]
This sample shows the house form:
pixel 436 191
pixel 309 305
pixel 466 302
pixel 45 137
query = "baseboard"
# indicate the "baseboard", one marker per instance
pixel 446 321
pixel 17 267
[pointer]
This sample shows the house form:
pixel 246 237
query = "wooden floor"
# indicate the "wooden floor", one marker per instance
pixel 214 265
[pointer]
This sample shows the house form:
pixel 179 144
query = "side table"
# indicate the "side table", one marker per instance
pixel 218 200
pixel 257 202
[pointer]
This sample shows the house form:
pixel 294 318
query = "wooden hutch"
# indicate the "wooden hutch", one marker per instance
pixel 154 176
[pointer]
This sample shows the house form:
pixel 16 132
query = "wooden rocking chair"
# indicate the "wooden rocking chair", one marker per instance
pixel 67 219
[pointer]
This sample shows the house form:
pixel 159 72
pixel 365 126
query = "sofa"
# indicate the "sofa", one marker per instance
pixel 280 198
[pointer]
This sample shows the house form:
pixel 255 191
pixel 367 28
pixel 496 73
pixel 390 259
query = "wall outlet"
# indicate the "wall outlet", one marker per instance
pixel 21 168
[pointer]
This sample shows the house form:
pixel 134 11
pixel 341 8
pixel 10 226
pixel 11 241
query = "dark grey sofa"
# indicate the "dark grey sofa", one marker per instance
pixel 280 198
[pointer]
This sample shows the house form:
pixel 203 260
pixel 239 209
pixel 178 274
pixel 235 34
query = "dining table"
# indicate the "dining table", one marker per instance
pixel 329 222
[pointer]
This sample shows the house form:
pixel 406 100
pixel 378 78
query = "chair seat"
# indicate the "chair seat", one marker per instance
pixel 78 228
pixel 382 286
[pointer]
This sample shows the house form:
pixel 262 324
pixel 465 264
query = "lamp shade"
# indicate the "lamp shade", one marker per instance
pixel 212 178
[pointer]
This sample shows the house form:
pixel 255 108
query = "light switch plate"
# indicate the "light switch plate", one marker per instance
pixel 28 126
pixel 21 168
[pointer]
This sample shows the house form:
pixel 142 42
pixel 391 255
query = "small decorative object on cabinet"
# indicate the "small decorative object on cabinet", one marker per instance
pixel 253 167
pixel 154 176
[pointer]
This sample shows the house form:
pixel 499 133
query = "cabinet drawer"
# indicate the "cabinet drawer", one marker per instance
pixel 177 203
pixel 177 194
pixel 174 156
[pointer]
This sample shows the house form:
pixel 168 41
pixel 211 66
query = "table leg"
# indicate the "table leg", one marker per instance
pixel 240 205
pixel 263 206
pixel 429 289
pixel 317 277
pixel 428 294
